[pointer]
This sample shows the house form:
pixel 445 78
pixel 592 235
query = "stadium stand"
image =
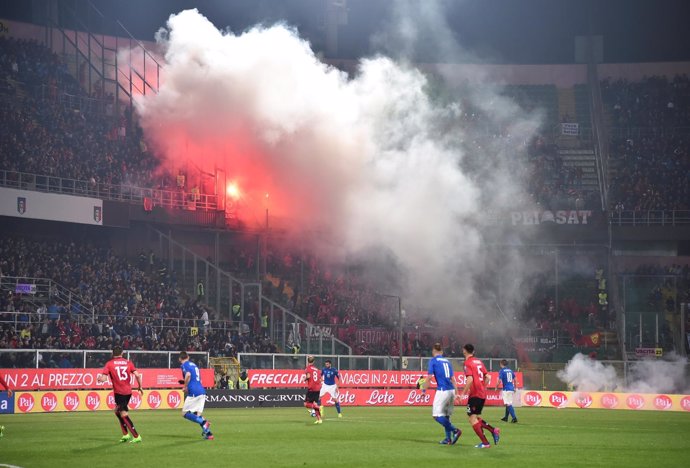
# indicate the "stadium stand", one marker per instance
pixel 650 138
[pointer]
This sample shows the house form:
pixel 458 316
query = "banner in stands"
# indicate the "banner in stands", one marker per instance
pixel 570 128
pixel 78 379
pixel 604 400
pixel 292 378
pixel 50 206
pixel 570 217
pixel 94 400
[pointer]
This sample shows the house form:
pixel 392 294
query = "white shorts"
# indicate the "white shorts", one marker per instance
pixel 507 396
pixel 332 390
pixel 195 404
pixel 443 403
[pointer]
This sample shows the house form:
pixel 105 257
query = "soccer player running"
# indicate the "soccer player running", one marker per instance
pixel 507 378
pixel 313 378
pixel 476 389
pixel 195 395
pixel 441 370
pixel 329 374
pixel 120 372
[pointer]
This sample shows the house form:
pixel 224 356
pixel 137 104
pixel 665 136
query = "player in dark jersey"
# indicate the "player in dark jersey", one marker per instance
pixel 312 376
pixel 120 371
pixel 475 386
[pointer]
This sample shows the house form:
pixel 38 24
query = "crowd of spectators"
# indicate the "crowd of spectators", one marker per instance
pixel 114 302
pixel 650 143
pixel 43 133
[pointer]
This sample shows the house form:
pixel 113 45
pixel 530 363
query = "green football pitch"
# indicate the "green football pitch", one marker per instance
pixel 363 437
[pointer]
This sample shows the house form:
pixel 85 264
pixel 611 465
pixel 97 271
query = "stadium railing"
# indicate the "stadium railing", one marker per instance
pixel 650 218
pixel 38 291
pixel 87 359
pixel 112 192
pixel 178 324
pixel 349 362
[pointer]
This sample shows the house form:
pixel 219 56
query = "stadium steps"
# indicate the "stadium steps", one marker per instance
pixel 566 104
pixel 586 160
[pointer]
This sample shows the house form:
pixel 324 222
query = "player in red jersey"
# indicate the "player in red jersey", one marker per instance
pixel 475 386
pixel 120 372
pixel 312 376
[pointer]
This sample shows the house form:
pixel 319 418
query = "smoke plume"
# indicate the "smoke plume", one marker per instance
pixel 382 161
pixel 648 376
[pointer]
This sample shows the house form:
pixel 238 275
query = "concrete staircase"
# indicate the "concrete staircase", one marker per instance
pixel 586 160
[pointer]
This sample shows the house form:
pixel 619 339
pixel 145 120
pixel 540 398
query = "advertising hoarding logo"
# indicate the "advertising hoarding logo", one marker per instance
pixel 71 401
pixel 110 400
pixel 609 400
pixel 49 402
pixel 154 399
pixel 583 400
pixel 635 401
pixel 663 402
pixel 25 402
pixel 532 399
pixel 93 401
pixel 558 399
pixel 174 399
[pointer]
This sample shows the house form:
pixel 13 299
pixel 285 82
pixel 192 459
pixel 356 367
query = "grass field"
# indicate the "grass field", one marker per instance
pixel 364 437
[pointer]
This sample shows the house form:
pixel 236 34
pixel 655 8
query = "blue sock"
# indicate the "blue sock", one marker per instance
pixel 194 418
pixel 507 412
pixel 512 411
pixel 337 407
pixel 447 425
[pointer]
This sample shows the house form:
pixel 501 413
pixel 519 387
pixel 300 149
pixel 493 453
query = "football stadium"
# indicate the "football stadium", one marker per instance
pixel 344 233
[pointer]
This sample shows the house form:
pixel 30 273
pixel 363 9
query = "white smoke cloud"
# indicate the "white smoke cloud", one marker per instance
pixel 647 376
pixel 372 156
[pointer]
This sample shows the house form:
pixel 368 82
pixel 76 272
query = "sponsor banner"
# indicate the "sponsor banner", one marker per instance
pixel 649 352
pixel 93 400
pixel 607 400
pixel 570 128
pixel 6 403
pixel 531 218
pixel 293 378
pixel 293 397
pixel 255 398
pixel 51 206
pixel 79 379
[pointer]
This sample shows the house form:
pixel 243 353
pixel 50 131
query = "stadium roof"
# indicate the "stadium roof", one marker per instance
pixel 508 31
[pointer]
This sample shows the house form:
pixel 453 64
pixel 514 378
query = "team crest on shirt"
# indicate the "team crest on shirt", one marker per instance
pixel 21 205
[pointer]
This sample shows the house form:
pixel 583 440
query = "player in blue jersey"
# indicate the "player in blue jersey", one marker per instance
pixel 329 386
pixel 195 395
pixel 441 370
pixel 507 378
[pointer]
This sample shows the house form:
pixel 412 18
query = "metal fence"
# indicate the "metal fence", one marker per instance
pixel 123 193
pixel 240 301
pixel 349 362
pixel 83 359
pixel 650 218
